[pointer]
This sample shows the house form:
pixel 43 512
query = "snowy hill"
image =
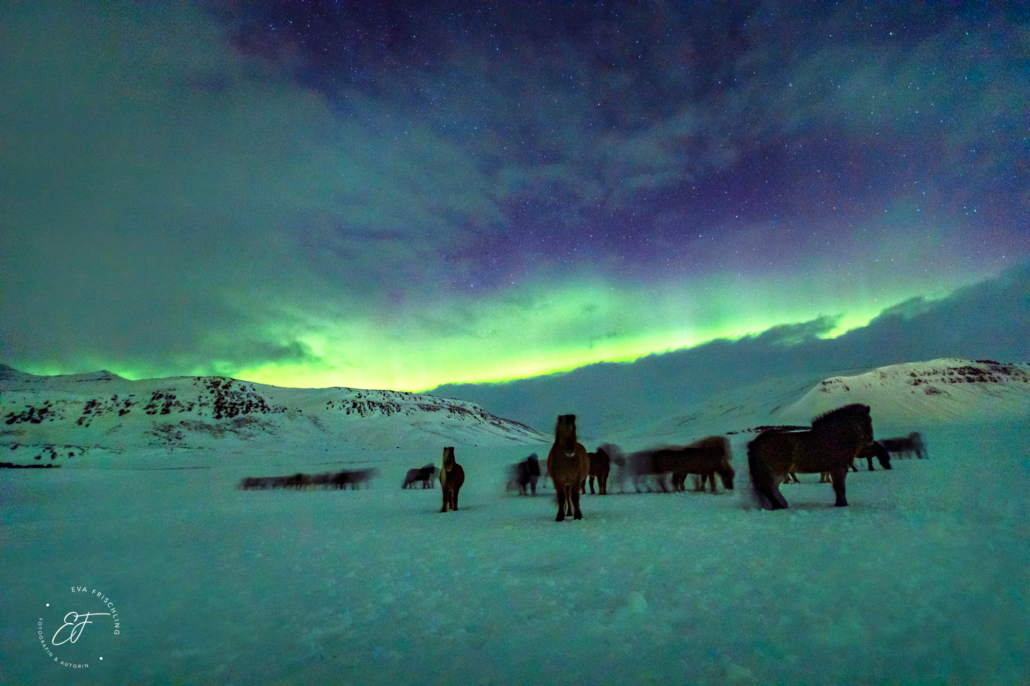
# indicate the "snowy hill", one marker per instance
pixel 59 418
pixel 204 420
pixel 934 392
pixel 903 397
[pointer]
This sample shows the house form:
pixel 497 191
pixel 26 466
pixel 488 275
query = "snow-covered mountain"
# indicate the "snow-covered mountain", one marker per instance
pixel 934 392
pixel 60 418
pixel 99 415
pixel 903 397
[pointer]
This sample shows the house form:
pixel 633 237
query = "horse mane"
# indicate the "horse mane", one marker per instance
pixel 848 411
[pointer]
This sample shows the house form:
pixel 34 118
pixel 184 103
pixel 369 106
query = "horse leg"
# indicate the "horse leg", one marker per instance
pixel 772 493
pixel 592 484
pixel 561 504
pixel 870 458
pixel 602 484
pixel 577 513
pixel 454 499
pixel 837 476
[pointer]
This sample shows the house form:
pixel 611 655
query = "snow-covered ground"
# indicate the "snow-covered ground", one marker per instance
pixel 922 579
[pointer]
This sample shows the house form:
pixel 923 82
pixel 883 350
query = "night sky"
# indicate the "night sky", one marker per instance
pixel 399 195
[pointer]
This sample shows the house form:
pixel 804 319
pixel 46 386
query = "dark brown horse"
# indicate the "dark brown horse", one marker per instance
pixel 830 446
pixel 906 445
pixel 524 475
pixel 874 449
pixel 452 476
pixel 568 466
pixel 600 466
pixel 706 458
pixel 424 475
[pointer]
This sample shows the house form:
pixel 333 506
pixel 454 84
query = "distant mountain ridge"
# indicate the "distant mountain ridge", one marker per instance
pixel 60 417
pixel 935 391
pixel 903 397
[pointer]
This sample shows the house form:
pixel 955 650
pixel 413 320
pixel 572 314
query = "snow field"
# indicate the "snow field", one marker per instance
pixel 921 580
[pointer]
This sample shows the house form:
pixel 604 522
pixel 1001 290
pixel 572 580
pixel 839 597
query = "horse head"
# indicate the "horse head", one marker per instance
pixel 727 474
pixel 565 434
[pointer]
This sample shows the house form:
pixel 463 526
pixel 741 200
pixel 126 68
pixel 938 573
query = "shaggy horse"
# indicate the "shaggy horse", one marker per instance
pixel 300 481
pixel 352 478
pixel 452 476
pixel 642 464
pixel 830 446
pixel 422 474
pixel 905 446
pixel 870 451
pixel 568 466
pixel 874 449
pixel 600 466
pixel 525 474
pixel 706 458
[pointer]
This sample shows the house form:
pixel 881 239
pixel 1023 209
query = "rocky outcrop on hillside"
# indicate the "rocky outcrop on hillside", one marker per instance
pixel 62 417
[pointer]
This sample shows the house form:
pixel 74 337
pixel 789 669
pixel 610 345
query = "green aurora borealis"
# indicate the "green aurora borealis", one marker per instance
pixel 454 197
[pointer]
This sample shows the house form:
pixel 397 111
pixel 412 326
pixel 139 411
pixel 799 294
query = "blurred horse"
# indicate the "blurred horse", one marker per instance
pixel 600 466
pixel 421 474
pixel 641 464
pixel 706 458
pixel 568 467
pixel 874 449
pixel 353 478
pixel 300 481
pixel 905 446
pixel 524 475
pixel 452 476
pixel 830 446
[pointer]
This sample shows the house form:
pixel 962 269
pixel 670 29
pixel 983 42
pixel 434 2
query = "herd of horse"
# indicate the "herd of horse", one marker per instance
pixel 348 478
pixel 776 456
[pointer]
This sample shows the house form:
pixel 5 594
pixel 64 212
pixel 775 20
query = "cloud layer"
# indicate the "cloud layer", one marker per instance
pixel 397 197
pixel 990 320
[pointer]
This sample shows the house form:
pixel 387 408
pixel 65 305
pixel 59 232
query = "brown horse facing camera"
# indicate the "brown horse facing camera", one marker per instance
pixel 452 476
pixel 830 446
pixel 568 466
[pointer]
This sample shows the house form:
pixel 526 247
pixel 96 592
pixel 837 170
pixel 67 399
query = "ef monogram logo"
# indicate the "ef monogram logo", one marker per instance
pixel 65 647
pixel 76 626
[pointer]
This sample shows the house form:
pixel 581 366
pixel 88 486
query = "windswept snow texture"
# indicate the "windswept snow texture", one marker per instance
pixel 922 579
